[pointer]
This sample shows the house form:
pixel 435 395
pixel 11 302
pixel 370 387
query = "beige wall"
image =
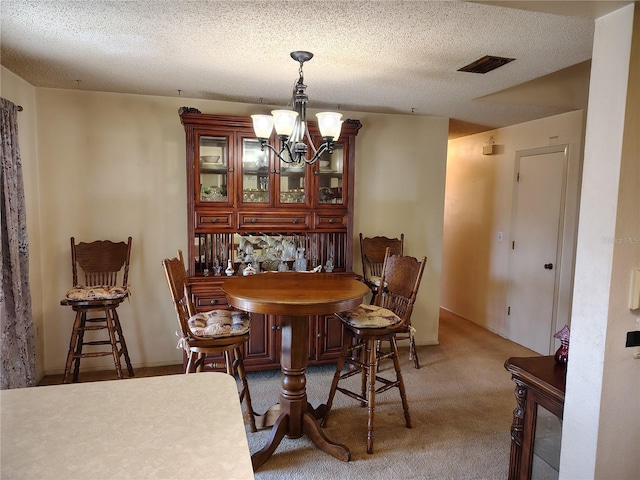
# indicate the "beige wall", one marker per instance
pixel 400 181
pixel 113 165
pixel 601 427
pixel 478 200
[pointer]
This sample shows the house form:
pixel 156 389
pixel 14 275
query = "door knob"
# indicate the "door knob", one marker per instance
pixel 548 266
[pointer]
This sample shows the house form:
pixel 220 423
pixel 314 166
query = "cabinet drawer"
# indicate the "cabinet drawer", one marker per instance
pixel 251 221
pixel 213 219
pixel 330 221
pixel 204 302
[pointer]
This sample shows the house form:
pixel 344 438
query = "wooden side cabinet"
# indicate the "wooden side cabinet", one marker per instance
pixel 537 419
pixel 245 205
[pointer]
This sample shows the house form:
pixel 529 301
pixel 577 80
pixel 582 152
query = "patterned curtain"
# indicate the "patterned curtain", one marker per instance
pixel 17 349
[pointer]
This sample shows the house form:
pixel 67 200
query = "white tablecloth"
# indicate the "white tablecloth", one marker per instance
pixel 174 426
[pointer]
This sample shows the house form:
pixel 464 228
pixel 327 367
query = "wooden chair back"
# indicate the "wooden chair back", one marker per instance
pixel 372 250
pixel 176 275
pixel 401 276
pixel 101 261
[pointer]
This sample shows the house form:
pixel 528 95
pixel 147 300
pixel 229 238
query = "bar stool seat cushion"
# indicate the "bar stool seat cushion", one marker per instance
pixel 375 280
pixel 97 292
pixel 219 324
pixel 370 316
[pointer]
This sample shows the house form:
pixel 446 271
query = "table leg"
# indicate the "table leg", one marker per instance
pixel 311 428
pixel 279 430
pixel 297 417
pixel 517 431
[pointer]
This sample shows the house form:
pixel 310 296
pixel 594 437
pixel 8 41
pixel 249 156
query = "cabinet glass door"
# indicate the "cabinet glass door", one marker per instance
pixel 256 179
pixel 213 163
pixel 293 183
pixel 330 173
pixel 545 463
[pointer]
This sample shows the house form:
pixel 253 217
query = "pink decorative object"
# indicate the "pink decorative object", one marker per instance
pixel 562 354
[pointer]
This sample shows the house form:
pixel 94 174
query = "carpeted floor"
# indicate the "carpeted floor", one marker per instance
pixel 461 403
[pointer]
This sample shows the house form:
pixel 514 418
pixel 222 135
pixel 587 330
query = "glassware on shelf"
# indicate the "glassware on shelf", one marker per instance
pixel 329 265
pixel 229 271
pixel 300 263
pixel 241 268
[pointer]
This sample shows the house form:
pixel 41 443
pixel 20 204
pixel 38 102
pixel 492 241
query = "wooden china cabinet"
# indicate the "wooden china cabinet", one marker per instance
pixel 247 206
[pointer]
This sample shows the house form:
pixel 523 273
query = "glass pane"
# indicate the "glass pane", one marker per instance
pixel 213 169
pixel 292 182
pixel 331 170
pixel 255 172
pixel 546 446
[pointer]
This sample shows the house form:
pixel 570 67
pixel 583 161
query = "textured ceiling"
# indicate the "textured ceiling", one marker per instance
pixel 374 56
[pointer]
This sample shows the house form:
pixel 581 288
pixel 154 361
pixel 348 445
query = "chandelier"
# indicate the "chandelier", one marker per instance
pixel 291 125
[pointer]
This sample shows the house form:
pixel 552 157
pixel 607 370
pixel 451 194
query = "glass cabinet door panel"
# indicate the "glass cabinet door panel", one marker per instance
pixel 256 181
pixel 330 176
pixel 293 181
pixel 546 447
pixel 213 174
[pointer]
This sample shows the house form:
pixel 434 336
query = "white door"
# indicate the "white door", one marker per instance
pixel 536 247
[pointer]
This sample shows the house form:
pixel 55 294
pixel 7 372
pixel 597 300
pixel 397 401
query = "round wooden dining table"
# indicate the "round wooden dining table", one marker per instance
pixel 294 296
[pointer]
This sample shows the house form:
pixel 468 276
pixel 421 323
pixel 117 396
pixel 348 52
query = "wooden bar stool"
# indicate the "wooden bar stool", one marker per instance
pixel 372 251
pixel 366 327
pixel 101 261
pixel 217 332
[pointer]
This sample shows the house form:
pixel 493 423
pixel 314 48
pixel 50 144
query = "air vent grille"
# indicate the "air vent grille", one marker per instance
pixel 486 64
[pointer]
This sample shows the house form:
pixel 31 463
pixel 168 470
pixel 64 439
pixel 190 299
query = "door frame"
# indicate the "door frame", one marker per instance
pixel 561 263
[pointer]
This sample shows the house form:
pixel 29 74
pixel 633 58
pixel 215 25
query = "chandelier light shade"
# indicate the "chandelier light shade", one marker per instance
pixel 330 124
pixel 291 125
pixel 262 125
pixel 284 121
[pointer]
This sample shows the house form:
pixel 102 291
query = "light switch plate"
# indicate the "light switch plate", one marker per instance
pixel 634 290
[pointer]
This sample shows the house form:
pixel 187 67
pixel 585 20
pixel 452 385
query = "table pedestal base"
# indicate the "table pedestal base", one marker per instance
pixel 297 417
pixel 310 428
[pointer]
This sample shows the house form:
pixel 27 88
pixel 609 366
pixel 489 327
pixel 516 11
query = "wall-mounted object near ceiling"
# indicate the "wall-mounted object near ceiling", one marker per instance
pixel 489 149
pixel 486 64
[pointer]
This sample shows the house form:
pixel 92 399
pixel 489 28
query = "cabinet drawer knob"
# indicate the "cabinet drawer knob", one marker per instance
pixel 231 169
pixel 319 335
pixel 275 327
pixel 295 220
pixel 214 220
pixel 253 220
pixel 331 220
pixel 213 301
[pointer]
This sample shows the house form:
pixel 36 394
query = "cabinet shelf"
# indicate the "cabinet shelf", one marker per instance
pixel 220 169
